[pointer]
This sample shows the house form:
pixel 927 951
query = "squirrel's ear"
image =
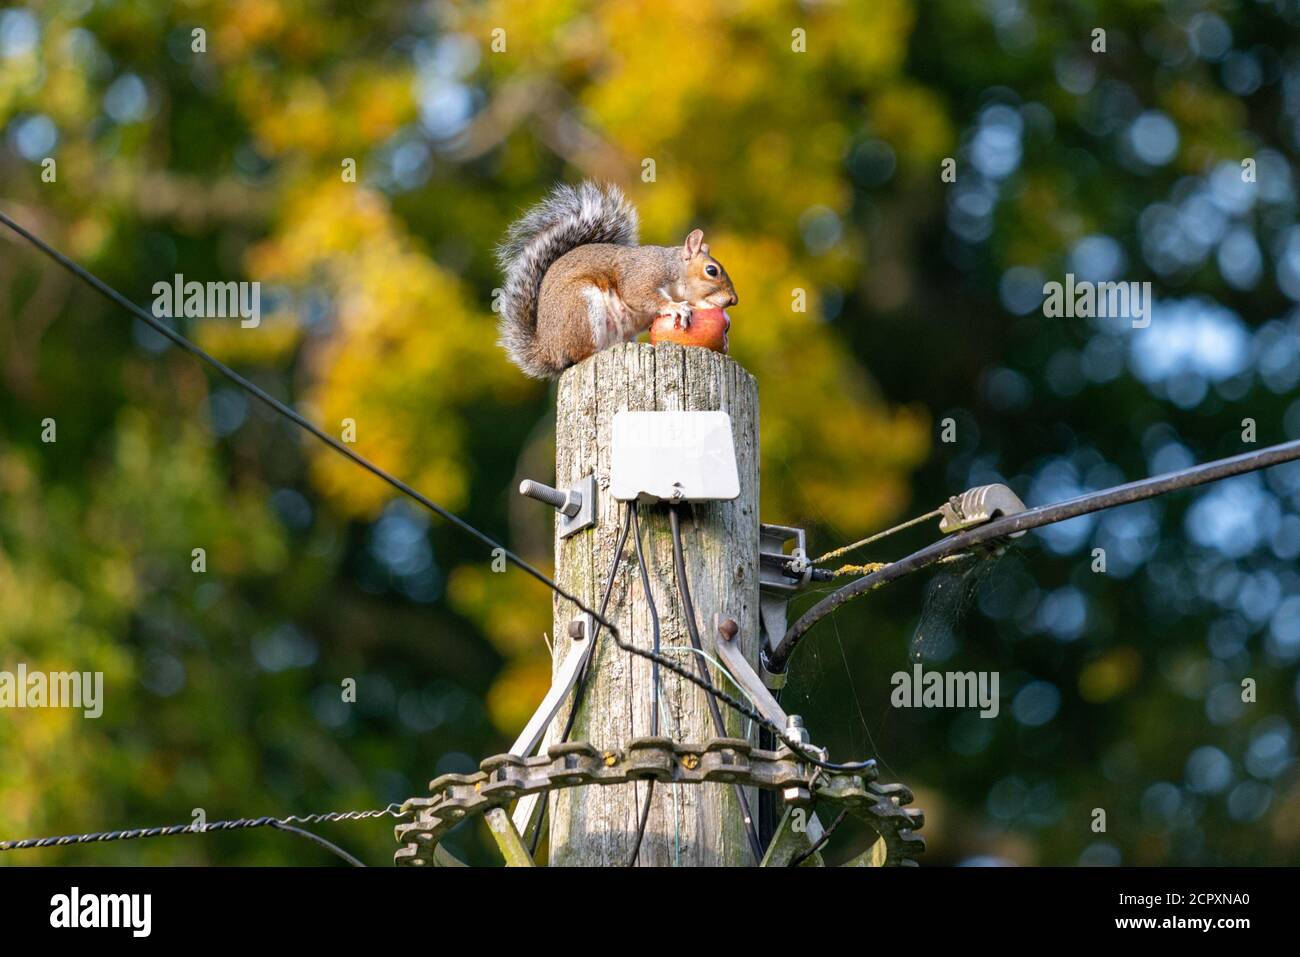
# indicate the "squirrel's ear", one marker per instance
pixel 704 248
pixel 691 248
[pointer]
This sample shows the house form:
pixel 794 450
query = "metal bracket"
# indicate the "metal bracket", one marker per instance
pixel 577 505
pixel 978 505
pixel 780 576
pixel 777 569
pixel 733 659
pixel 526 814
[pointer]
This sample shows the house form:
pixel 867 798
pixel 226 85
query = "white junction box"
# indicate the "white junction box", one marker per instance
pixel 673 456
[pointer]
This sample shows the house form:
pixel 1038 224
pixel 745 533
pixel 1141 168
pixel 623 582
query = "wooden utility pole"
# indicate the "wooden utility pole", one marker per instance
pixel 687 824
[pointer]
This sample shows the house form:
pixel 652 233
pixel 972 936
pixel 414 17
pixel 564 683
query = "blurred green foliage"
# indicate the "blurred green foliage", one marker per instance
pixel 807 140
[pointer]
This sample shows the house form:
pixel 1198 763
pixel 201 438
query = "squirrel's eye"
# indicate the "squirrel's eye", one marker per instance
pixel 711 270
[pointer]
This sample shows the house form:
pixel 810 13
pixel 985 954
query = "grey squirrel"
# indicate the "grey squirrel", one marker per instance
pixel 577 282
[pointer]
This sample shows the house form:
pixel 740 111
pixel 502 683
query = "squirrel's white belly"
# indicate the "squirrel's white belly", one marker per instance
pixel 609 315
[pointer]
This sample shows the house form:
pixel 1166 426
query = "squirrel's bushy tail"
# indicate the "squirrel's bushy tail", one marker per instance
pixel 569 217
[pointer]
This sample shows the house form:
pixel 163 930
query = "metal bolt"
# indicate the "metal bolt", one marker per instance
pixel 795 731
pixel 611 759
pixel 567 502
pixel 728 629
pixel 577 628
pixel 796 795
pixel 690 761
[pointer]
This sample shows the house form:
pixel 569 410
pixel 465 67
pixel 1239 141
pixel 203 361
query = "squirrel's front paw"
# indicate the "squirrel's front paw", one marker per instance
pixel 681 313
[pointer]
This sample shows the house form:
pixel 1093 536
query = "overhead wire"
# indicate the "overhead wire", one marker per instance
pixel 290 413
pixel 953 547
pixel 845 549
pixel 287 824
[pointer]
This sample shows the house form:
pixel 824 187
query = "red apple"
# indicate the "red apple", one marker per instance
pixel 708 328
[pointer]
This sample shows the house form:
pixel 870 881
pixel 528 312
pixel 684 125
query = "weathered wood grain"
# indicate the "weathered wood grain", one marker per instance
pixel 687 825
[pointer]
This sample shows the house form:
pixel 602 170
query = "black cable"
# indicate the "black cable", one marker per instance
pixel 688 611
pixel 821 841
pixel 654 616
pixel 779 658
pixel 163 329
pixel 641 823
pixel 317 839
pixel 604 603
pixel 654 677
pixel 586 668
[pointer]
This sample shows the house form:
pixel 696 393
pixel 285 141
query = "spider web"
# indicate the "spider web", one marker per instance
pixel 948 598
